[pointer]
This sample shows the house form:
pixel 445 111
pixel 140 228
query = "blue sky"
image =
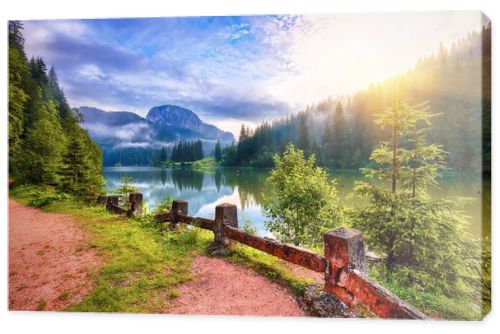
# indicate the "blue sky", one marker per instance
pixel 233 70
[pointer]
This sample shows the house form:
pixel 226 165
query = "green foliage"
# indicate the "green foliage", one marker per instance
pixel 164 206
pixel 42 153
pixel 335 143
pixel 249 228
pixel 18 72
pixel 433 304
pixel 218 152
pixel 254 148
pixel 424 241
pixel 304 203
pixel 46 144
pixel 125 189
pixel 42 199
pixel 81 172
pixel 187 151
pixel 304 141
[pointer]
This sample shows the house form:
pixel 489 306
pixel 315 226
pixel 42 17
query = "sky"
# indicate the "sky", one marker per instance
pixel 237 69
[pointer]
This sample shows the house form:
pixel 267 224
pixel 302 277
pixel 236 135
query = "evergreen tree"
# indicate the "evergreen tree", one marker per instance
pixel 42 153
pixel 18 74
pixel 57 94
pixel 303 134
pixel 423 240
pixel 81 166
pixel 163 155
pixel 340 147
pixel 126 187
pixel 218 152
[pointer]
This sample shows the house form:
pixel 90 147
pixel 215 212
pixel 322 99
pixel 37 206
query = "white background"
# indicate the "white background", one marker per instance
pixel 42 322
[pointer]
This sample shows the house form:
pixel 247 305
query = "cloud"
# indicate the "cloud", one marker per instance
pixel 238 68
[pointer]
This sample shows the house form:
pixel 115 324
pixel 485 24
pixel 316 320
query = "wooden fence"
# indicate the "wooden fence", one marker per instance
pixel 343 263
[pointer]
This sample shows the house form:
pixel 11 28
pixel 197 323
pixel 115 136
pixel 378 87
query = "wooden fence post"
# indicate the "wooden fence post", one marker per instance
pixel 344 249
pixel 102 199
pixel 135 200
pixel 112 200
pixel 225 214
pixel 179 207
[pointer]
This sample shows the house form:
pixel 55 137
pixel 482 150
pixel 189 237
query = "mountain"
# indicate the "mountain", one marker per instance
pixel 178 117
pixel 129 139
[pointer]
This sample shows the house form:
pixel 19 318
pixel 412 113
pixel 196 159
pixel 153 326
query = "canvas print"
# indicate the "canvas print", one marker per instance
pixel 330 165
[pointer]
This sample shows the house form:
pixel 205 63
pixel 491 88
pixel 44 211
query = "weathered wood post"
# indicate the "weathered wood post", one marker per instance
pixel 344 250
pixel 102 199
pixel 112 200
pixel 135 200
pixel 346 277
pixel 179 207
pixel 225 214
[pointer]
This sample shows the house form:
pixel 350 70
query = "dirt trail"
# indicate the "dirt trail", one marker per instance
pixel 49 260
pixel 222 288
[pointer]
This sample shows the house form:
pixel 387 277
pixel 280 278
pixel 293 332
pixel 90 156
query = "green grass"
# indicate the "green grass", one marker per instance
pixel 205 163
pixel 41 305
pixel 269 266
pixel 433 304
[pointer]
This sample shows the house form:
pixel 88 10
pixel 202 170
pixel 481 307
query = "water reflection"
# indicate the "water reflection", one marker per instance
pixel 246 189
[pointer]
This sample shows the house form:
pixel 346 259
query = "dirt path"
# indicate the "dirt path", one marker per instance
pixel 49 260
pixel 222 288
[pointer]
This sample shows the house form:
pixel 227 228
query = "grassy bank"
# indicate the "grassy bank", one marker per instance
pixel 142 261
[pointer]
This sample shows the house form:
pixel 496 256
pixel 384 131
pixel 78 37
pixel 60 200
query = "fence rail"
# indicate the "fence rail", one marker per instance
pixel 344 262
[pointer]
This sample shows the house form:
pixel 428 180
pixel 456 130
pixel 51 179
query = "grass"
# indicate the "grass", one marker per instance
pixel 144 262
pixel 64 296
pixel 433 304
pixel 41 305
pixel 273 268
pixel 205 163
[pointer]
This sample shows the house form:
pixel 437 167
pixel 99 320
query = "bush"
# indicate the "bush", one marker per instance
pixel 304 203
pixel 249 228
pixel 42 196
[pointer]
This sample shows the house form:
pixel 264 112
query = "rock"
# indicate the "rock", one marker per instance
pixel 217 249
pixel 318 303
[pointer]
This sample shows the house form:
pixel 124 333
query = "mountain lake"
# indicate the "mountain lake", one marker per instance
pixel 247 188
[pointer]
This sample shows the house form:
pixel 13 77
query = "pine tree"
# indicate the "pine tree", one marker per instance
pixel 42 153
pixel 303 134
pixel 18 74
pixel 340 147
pixel 163 155
pixel 57 94
pixel 218 152
pixel 423 240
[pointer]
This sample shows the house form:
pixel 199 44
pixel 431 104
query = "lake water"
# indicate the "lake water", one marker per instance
pixel 246 189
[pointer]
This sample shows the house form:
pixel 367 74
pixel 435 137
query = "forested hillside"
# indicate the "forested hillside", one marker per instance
pixel 47 146
pixel 341 131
